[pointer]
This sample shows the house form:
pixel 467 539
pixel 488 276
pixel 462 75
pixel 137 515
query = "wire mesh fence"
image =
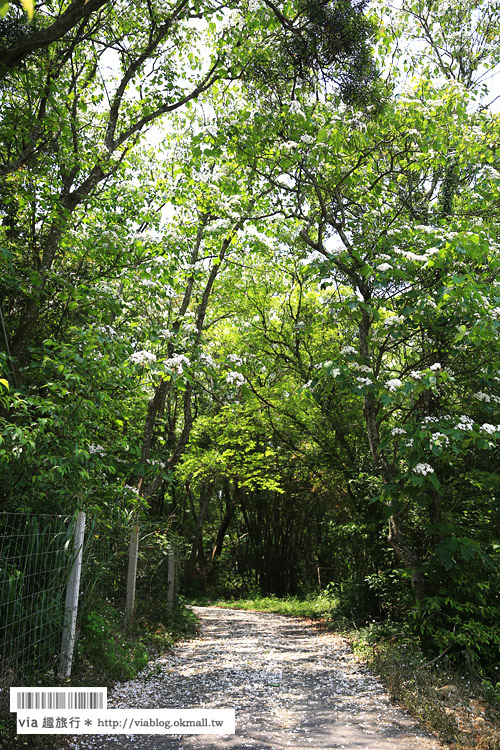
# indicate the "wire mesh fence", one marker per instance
pixel 105 559
pixel 36 554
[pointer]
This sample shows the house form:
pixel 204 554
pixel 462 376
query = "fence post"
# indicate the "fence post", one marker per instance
pixel 71 604
pixel 171 578
pixel 132 573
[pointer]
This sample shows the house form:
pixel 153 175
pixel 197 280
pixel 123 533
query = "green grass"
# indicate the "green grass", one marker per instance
pixel 314 606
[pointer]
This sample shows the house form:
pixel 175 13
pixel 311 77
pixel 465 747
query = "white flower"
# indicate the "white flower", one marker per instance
pixel 234 358
pixel 416 374
pixel 393 319
pixel 490 428
pixel 364 381
pixel 206 359
pixel 348 350
pixel 435 366
pixel 143 357
pixel 439 438
pixel 98 449
pixel 167 334
pixel 465 423
pixel 384 267
pixel 423 469
pixel 131 489
pixel 235 377
pixel 296 109
pixel 307 139
pixel 394 384
pixel 177 363
pixel 398 431
pixel 482 397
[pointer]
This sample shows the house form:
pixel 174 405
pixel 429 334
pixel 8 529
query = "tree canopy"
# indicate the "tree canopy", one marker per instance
pixel 250 287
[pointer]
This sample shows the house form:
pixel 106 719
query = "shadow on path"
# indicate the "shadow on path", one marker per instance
pixel 290 685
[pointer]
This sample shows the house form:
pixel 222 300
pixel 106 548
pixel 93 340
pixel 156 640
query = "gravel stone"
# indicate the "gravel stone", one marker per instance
pixel 292 686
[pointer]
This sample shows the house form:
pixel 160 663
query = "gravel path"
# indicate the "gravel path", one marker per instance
pixel 291 685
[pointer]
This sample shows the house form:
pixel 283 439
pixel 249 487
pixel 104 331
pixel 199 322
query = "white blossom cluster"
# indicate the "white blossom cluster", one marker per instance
pixel 435 366
pixel 393 320
pixel 464 423
pixel 234 358
pixel 288 146
pixel 166 333
pixel 417 258
pixel 207 360
pixel 296 109
pixel 439 438
pixel 423 469
pixel 177 363
pixel 143 357
pixel 308 139
pixel 394 384
pixel 235 378
pixel 490 428
pixel 348 350
pixel 97 449
pixel 383 267
pixel 134 490
pixel 398 431
pixel 487 398
pixel 364 381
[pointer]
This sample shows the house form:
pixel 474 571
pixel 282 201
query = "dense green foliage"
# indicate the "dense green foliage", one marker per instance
pixel 270 322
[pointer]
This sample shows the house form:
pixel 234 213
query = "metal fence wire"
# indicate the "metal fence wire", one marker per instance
pixel 36 554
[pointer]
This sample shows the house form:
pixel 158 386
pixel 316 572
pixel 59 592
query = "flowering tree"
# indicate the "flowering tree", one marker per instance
pixel 400 212
pixel 283 317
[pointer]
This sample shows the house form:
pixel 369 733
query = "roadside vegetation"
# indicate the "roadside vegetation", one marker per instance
pixel 108 652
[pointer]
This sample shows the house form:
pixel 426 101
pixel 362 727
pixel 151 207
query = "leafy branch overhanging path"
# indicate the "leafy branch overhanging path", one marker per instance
pixel 291 687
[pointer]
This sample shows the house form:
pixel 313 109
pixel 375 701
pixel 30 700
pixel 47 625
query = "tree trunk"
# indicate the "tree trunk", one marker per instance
pixel 226 521
pixel 205 491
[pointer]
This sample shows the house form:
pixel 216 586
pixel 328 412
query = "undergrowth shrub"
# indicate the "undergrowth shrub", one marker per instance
pixel 106 644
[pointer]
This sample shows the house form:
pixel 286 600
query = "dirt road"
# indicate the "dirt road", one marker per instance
pixel 291 686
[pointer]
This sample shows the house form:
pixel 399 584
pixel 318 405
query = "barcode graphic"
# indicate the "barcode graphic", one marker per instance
pixel 32 700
